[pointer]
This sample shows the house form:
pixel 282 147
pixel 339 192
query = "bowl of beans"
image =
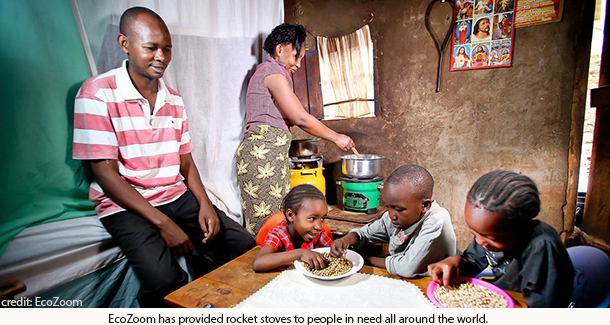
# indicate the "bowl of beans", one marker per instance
pixel 469 293
pixel 336 267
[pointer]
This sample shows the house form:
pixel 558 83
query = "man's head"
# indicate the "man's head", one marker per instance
pixel 408 194
pixel 481 26
pixel 499 207
pixel 146 40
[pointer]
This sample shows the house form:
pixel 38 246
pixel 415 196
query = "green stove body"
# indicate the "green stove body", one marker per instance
pixel 361 195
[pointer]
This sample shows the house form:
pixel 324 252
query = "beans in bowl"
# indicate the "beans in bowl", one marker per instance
pixel 334 266
pixel 468 295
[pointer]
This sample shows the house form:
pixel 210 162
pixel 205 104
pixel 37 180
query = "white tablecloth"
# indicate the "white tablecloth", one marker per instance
pixel 291 289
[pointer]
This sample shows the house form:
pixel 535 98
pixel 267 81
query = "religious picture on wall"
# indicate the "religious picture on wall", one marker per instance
pixel 462 32
pixel 483 34
pixel 500 50
pixel 483 7
pixel 504 6
pixel 503 26
pixel 461 57
pixel 480 55
pixel 464 9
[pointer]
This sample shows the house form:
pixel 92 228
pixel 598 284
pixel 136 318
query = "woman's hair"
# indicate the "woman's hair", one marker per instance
pixel 294 199
pixel 285 34
pixel 513 195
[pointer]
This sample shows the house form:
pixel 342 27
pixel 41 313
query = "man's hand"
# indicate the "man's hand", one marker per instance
pixel 314 259
pixel 210 224
pixel 176 239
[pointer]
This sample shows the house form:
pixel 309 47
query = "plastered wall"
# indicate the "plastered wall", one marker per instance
pixel 515 118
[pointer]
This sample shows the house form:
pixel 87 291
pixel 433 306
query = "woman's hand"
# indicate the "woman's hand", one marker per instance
pixel 344 142
pixel 314 259
pixel 449 268
pixel 292 108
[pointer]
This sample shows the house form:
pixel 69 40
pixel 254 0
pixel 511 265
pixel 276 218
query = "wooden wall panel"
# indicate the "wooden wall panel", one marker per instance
pixel 316 107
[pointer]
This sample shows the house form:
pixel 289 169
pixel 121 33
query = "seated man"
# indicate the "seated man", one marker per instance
pixel 133 129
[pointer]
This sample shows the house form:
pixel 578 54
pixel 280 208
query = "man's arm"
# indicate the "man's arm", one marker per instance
pixel 208 220
pixel 121 192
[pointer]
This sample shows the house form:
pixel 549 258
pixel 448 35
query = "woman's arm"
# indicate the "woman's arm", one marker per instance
pixel 293 110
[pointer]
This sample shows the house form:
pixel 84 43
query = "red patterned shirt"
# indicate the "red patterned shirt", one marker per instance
pixel 279 239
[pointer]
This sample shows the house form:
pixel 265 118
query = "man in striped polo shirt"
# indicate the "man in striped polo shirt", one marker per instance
pixel 133 130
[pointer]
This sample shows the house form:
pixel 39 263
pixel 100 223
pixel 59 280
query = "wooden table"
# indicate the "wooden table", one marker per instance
pixel 235 281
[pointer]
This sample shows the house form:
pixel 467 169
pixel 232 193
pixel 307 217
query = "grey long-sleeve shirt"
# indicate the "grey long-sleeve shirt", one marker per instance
pixel 427 241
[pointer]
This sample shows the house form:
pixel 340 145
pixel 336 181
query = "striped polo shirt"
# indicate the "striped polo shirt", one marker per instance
pixel 112 120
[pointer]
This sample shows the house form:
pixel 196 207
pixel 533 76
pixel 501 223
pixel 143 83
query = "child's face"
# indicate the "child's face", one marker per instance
pixel 309 221
pixel 490 229
pixel 404 207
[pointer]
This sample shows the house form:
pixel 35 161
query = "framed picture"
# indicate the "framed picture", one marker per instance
pixel 535 12
pixel 483 34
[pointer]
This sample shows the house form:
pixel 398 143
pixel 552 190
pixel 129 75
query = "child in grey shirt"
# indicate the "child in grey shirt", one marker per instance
pixel 418 230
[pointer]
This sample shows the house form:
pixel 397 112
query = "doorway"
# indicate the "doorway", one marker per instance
pixel 589 124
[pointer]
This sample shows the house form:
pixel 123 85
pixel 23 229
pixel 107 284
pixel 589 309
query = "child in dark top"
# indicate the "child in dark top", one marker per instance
pixel 525 254
pixel 305 209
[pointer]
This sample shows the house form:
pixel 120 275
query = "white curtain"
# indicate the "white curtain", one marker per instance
pixel 346 71
pixel 216 47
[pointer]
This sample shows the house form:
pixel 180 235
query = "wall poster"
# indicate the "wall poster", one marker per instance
pixel 534 12
pixel 483 34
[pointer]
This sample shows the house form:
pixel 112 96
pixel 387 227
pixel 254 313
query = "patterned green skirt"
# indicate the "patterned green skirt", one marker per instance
pixel 263 174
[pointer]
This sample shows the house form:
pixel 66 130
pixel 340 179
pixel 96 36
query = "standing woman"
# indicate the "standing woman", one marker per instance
pixel 271 107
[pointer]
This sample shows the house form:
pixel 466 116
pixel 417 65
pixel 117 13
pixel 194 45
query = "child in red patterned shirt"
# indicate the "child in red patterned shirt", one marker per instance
pixel 305 209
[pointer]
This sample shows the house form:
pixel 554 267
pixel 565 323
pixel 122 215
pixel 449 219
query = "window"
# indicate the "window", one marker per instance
pixel 347 75
pixel 337 81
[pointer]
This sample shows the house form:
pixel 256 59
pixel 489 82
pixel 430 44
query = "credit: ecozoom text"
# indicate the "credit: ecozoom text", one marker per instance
pixel 41 302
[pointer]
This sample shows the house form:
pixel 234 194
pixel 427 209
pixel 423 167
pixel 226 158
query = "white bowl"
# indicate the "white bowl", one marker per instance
pixel 352 256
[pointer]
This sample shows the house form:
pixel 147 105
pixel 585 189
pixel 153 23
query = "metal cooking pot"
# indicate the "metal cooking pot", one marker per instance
pixel 367 167
pixel 304 147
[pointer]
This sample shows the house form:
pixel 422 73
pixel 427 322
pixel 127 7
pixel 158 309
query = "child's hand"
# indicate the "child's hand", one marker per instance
pixel 449 268
pixel 314 259
pixel 339 247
